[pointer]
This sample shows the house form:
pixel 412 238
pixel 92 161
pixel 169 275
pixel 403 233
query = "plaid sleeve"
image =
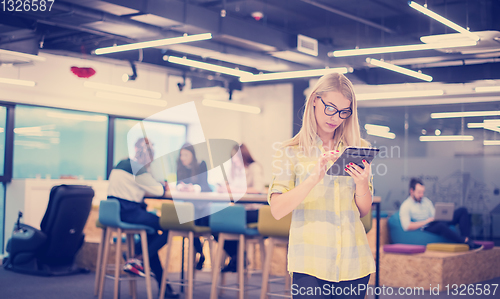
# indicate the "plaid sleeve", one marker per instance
pixel 283 172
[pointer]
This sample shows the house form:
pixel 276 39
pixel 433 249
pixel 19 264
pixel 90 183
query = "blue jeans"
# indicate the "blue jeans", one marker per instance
pixel 305 286
pixel 135 213
pixel 442 228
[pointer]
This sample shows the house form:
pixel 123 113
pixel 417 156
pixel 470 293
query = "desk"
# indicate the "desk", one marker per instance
pixel 155 202
pixel 215 197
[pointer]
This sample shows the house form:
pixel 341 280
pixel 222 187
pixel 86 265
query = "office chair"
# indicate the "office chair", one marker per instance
pixel 52 249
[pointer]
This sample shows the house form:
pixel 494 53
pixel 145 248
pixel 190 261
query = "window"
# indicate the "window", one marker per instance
pixel 3 116
pixel 166 138
pixel 464 172
pixel 2 216
pixel 53 143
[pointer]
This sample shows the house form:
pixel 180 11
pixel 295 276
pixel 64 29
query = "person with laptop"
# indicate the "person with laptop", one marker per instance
pixel 418 212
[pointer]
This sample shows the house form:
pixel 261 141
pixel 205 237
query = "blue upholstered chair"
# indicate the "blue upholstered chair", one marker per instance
pixel 230 222
pixel 415 237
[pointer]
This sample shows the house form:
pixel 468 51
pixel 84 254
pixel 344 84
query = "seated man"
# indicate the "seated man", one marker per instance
pixel 129 182
pixel 417 212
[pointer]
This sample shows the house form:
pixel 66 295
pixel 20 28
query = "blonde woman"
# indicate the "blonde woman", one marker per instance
pixel 328 253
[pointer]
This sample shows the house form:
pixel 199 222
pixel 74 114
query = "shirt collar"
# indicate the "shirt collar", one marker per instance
pixel 319 144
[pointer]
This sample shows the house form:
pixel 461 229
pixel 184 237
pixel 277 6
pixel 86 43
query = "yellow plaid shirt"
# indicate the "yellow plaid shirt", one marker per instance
pixel 327 238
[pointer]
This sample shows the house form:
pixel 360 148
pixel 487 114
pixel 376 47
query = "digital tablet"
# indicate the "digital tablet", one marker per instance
pixel 354 155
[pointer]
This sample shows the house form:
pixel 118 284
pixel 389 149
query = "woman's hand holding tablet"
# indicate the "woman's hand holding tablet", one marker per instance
pixel 319 170
pixel 354 155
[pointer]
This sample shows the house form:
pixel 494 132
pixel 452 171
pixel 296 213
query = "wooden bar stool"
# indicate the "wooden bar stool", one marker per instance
pixel 109 216
pixel 98 263
pixel 230 223
pixel 169 220
pixel 277 232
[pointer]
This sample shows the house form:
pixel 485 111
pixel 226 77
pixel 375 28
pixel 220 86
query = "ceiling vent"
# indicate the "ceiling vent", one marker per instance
pixel 307 45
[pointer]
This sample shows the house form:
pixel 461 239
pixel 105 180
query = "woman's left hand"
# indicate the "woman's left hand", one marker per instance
pixel 360 175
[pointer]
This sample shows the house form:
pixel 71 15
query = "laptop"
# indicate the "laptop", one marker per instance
pixel 444 211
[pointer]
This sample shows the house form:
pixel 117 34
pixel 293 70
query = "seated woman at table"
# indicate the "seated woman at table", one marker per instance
pixel 245 167
pixel 192 177
pixel 245 177
pixel 189 172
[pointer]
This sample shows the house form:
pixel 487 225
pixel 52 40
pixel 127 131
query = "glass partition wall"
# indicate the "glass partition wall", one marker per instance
pixel 52 143
pixel 3 127
pixel 57 143
pixel 415 142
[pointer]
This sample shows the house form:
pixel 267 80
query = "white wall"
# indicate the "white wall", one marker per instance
pixel 56 86
pixel 274 124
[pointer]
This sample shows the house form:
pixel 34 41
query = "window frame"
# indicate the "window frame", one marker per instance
pixel 111 137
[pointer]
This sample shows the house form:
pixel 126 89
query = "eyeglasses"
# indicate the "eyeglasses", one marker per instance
pixel 331 111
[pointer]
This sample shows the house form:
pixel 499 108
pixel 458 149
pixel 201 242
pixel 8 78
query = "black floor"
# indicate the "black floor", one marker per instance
pixel 20 286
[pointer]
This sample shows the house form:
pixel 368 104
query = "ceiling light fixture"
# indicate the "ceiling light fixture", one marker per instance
pixel 405 48
pixel 388 135
pixel 487 89
pixel 447 138
pixel 127 77
pixel 231 106
pixel 22 55
pixel 270 65
pixel 464 114
pixel 130 99
pixel 443 20
pixel 28 130
pixel 205 90
pixel 398 94
pixel 492 128
pixel 377 128
pixel 206 66
pixel 398 69
pixel 18 82
pixel 154 43
pixel 487 124
pixel 491 142
pixel 379 131
pixel 74 116
pixel 492 122
pixel 125 90
pixel 294 74
pixel 444 38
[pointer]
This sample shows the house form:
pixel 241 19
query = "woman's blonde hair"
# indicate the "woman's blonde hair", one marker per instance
pixel 348 132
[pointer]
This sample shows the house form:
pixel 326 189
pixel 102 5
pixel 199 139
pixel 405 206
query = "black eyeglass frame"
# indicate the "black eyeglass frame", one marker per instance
pixel 337 110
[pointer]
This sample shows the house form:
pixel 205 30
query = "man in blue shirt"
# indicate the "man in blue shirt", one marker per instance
pixel 417 212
